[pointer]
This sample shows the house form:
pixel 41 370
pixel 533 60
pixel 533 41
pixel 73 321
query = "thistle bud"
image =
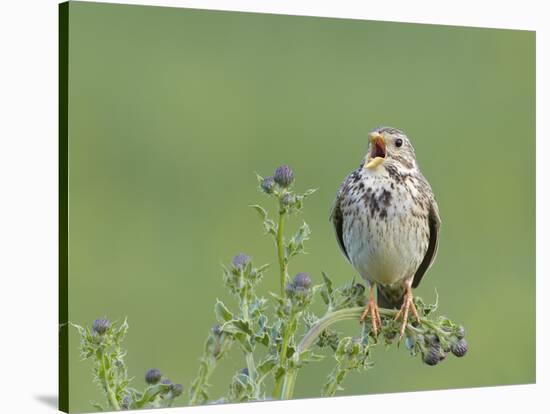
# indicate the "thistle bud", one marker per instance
pixel 217 330
pixel 431 340
pixel 268 185
pixel 125 404
pixel 177 390
pixel 153 376
pixel 460 333
pixel 302 280
pixel 101 326
pixel 240 260
pixel 284 176
pixel 459 348
pixel 166 382
pixel 432 355
pixel 244 371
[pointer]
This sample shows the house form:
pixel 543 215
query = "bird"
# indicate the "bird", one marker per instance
pixel 386 221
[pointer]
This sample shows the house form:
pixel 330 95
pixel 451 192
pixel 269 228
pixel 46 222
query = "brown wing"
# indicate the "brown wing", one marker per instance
pixel 433 222
pixel 337 219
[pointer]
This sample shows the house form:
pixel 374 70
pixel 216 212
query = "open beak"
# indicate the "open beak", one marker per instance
pixel 377 153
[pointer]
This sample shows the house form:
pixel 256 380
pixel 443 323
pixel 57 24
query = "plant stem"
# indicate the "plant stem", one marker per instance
pixel 251 365
pixel 284 349
pixel 110 393
pixel 208 364
pixel 286 338
pixel 282 280
pixel 288 385
pixel 278 386
pixel 289 378
pixel 249 356
pixel 205 370
pixel 330 318
pixel 281 250
pixel 112 399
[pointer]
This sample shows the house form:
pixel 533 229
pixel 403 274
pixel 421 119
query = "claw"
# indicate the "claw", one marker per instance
pixel 372 309
pixel 408 306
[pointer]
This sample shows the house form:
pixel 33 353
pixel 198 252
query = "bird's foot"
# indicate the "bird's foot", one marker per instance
pixel 408 306
pixel 372 309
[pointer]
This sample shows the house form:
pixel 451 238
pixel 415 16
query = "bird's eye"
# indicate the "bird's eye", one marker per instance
pixel 398 142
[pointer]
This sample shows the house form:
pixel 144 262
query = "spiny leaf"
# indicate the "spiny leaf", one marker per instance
pixel 236 326
pixel 265 366
pixel 150 393
pixel 222 313
pixel 259 178
pixel 309 192
pixel 261 211
pixel 296 244
pixel 80 329
pixel 269 225
pixel 327 294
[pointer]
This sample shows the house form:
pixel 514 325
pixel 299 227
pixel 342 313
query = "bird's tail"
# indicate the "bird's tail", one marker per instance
pixel 391 297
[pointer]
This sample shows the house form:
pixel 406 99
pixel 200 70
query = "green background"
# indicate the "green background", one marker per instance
pixel 171 111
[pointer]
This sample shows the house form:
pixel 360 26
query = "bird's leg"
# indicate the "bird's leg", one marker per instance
pixel 372 309
pixel 408 306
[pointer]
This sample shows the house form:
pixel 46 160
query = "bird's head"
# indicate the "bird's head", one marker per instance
pixel 389 146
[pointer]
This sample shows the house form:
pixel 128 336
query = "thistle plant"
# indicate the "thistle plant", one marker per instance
pixel 103 345
pixel 277 335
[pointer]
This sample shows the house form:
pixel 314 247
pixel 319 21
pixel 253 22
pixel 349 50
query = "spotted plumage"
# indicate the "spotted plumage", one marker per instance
pixel 386 219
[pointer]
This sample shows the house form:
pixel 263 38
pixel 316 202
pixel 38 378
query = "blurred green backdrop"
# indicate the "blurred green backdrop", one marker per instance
pixel 171 111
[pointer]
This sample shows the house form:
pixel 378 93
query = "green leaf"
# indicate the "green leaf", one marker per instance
pixel 244 340
pixel 222 313
pixel 341 349
pixel 150 393
pixel 236 326
pixel 279 299
pixel 267 365
pixel 327 294
pixel 121 332
pixel 261 211
pixel 259 178
pixel 275 334
pixel 262 333
pixel 426 309
pixel 262 268
pixel 308 356
pixel 241 388
pixel 328 283
pixel 279 373
pixel 80 329
pixel 257 308
pixel 296 244
pixel 290 351
pixel 269 225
